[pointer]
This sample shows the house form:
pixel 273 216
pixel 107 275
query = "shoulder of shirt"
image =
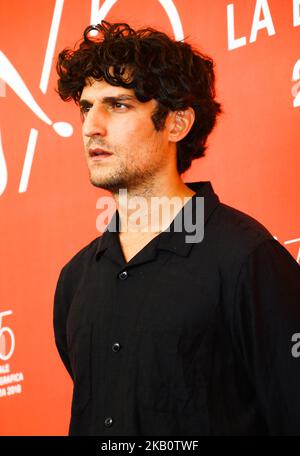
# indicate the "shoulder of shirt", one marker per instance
pixel 81 258
pixel 241 222
pixel 236 233
pixel 236 238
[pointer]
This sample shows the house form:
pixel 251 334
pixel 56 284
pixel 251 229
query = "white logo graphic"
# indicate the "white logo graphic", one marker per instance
pixel 7 339
pixel 10 76
pixel 296 86
pixel 292 241
pixel 99 13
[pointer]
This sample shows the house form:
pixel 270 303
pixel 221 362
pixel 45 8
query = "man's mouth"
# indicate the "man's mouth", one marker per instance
pixel 97 153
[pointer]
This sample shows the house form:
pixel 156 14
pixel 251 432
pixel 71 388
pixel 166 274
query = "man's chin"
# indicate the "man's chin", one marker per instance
pixel 99 184
pixel 111 186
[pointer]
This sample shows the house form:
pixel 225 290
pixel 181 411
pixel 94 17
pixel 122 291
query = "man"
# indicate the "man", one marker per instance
pixel 163 335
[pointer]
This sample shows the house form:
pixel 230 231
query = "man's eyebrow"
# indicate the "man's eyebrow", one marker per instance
pixel 121 97
pixel 84 102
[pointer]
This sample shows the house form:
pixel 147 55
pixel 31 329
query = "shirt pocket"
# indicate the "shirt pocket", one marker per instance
pixel 79 346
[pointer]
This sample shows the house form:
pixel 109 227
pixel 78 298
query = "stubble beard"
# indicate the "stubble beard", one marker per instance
pixel 132 179
pixel 127 174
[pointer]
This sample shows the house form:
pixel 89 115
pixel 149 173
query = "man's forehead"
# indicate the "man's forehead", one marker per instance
pixel 101 88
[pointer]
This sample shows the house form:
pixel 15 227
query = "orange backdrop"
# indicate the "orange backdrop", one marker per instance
pixel 48 207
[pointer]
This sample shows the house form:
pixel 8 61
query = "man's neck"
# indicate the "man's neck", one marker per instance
pixel 147 212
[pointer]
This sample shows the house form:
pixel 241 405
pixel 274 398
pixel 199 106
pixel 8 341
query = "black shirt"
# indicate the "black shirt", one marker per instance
pixel 185 338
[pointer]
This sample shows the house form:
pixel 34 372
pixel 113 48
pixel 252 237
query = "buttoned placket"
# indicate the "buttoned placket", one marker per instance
pixel 117 351
pixel 127 278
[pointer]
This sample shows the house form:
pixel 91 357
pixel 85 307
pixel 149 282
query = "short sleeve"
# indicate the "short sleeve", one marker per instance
pixel 266 317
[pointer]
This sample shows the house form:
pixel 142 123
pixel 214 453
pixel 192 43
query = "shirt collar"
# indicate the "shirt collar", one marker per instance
pixel 167 240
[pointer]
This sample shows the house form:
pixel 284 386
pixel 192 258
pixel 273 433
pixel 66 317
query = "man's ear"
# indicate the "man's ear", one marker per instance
pixel 180 123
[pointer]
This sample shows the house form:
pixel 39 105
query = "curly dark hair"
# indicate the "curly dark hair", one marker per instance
pixel 171 72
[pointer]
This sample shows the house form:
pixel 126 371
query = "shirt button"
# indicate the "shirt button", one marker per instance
pixel 123 275
pixel 116 347
pixel 108 421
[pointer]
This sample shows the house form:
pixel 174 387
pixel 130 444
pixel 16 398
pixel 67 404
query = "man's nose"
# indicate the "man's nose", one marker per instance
pixel 94 123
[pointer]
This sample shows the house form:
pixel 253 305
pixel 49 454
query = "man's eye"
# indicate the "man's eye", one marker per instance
pixel 120 106
pixel 83 112
pixel 84 109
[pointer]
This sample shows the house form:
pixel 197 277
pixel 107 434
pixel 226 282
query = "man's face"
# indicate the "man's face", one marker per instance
pixel 122 147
